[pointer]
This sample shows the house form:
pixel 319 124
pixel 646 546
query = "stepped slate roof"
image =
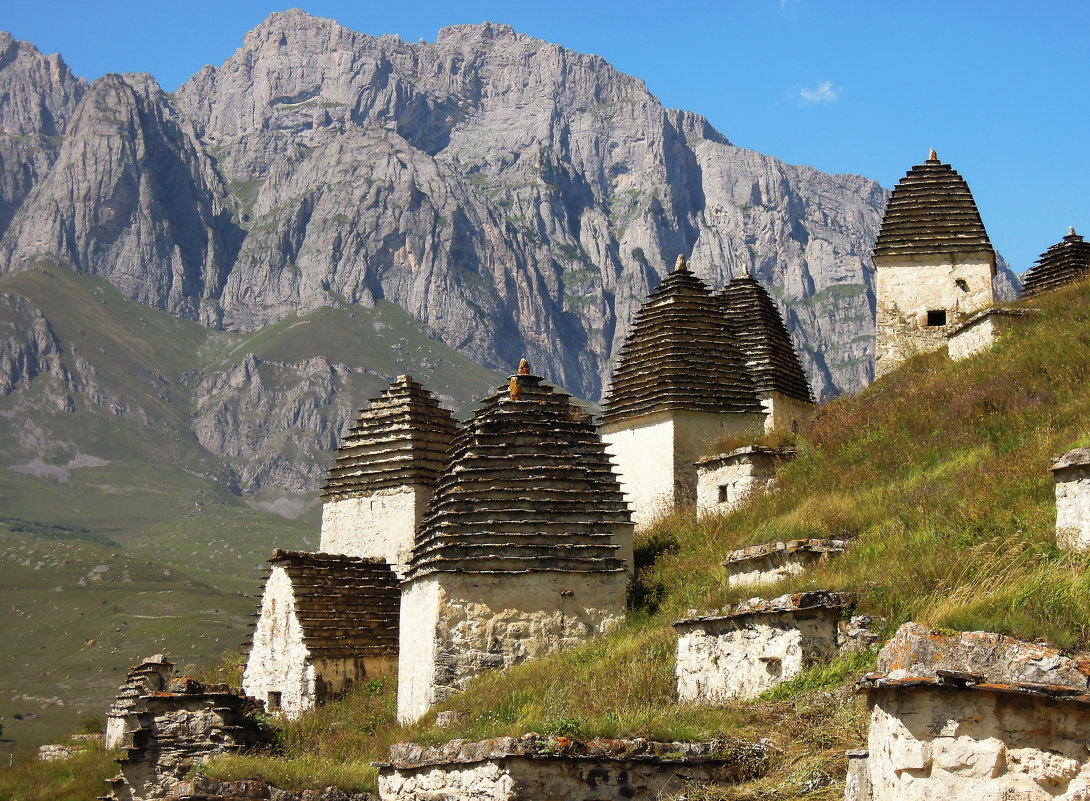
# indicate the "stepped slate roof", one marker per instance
pixel 1063 263
pixel 931 211
pixel 762 337
pixel 347 606
pixel 529 488
pixel 680 355
pixel 403 437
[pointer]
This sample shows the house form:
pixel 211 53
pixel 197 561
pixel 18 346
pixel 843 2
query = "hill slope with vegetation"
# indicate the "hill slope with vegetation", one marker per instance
pixel 939 471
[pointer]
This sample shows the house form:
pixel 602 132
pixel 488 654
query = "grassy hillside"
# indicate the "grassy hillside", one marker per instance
pixel 119 535
pixel 940 472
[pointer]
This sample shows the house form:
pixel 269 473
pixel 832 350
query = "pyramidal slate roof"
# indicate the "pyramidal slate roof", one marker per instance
pixel 931 211
pixel 403 437
pixel 347 606
pixel 529 488
pixel 1063 263
pixel 762 337
pixel 679 355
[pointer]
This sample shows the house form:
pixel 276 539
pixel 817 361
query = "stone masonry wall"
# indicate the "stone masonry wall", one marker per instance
pixel 906 290
pixel 743 654
pixel 965 745
pixel 463 624
pixel 377 524
pixel 723 482
pixel 1071 472
pixel 784 413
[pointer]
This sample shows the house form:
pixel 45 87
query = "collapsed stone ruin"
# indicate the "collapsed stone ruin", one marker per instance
pixel 534 768
pixel 973 715
pixel 167 725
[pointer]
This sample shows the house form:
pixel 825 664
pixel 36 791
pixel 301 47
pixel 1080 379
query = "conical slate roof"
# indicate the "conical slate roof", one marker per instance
pixel 931 211
pixel 403 437
pixel 1066 261
pixel 762 337
pixel 528 488
pixel 679 355
pixel 346 606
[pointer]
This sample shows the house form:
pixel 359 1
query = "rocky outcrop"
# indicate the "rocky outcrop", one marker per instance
pixel 519 198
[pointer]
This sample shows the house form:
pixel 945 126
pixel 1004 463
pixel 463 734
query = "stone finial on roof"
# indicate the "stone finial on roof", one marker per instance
pixel 681 265
pixel 933 156
pixel 524 367
pixel 1071 230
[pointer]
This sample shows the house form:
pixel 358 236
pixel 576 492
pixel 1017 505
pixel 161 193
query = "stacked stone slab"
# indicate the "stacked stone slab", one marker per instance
pixel 758 644
pixel 150 676
pixel 523 548
pixel 171 729
pixel 970 716
pixel 384 474
pixel 681 382
pixel 770 357
pixel 934 263
pixel 724 481
pixel 1064 263
pixel 326 622
pixel 983 329
pixel 534 768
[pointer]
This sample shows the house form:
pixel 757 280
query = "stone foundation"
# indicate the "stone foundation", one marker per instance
pixel 775 561
pixel 724 481
pixel 974 716
pixel 982 330
pixel 467 623
pixel 1071 473
pixel 533 768
pixel 757 645
pixel 201 788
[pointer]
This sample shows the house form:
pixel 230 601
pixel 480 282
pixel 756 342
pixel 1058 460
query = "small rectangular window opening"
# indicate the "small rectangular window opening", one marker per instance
pixel 723 493
pixel 274 701
pixel 936 317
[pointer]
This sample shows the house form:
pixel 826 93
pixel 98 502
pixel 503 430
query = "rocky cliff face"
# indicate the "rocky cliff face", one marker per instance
pixel 519 198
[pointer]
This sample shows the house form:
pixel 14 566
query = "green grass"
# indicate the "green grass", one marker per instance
pixel 81 778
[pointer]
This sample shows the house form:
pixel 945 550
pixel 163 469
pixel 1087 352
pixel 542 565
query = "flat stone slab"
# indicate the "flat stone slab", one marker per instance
pixel 793 602
pixel 782 454
pixel 753 552
pixel 992 311
pixel 1079 457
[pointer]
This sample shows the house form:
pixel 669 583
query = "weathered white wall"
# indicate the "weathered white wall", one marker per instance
pixel 974 338
pixel 908 287
pixel 722 487
pixel 278 658
pixel 455 626
pixel 1073 509
pixel 772 568
pixel 741 657
pixel 523 779
pixel 930 744
pixel 654 455
pixel 379 524
pixel 784 413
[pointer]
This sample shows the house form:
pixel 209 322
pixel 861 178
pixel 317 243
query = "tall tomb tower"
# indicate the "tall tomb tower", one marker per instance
pixel 934 263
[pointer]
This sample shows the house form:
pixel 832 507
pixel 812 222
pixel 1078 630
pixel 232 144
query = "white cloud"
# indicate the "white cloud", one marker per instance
pixel 825 93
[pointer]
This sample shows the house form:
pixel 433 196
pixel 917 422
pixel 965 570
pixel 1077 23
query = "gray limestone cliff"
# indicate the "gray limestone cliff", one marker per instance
pixel 517 197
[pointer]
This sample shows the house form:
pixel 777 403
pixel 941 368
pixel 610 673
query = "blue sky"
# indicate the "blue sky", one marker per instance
pixel 1000 89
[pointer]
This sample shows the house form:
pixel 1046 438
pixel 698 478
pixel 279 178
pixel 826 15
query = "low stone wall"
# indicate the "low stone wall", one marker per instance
pixel 774 561
pixel 1071 473
pixel 201 788
pixel 973 716
pixel 534 768
pixel 759 644
pixel 982 330
pixel 724 481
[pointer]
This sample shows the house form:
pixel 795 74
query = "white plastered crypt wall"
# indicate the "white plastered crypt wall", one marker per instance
pixel 278 656
pixel 377 524
pixel 654 455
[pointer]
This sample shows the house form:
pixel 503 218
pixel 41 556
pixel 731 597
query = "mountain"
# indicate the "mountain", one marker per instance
pixel 518 198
